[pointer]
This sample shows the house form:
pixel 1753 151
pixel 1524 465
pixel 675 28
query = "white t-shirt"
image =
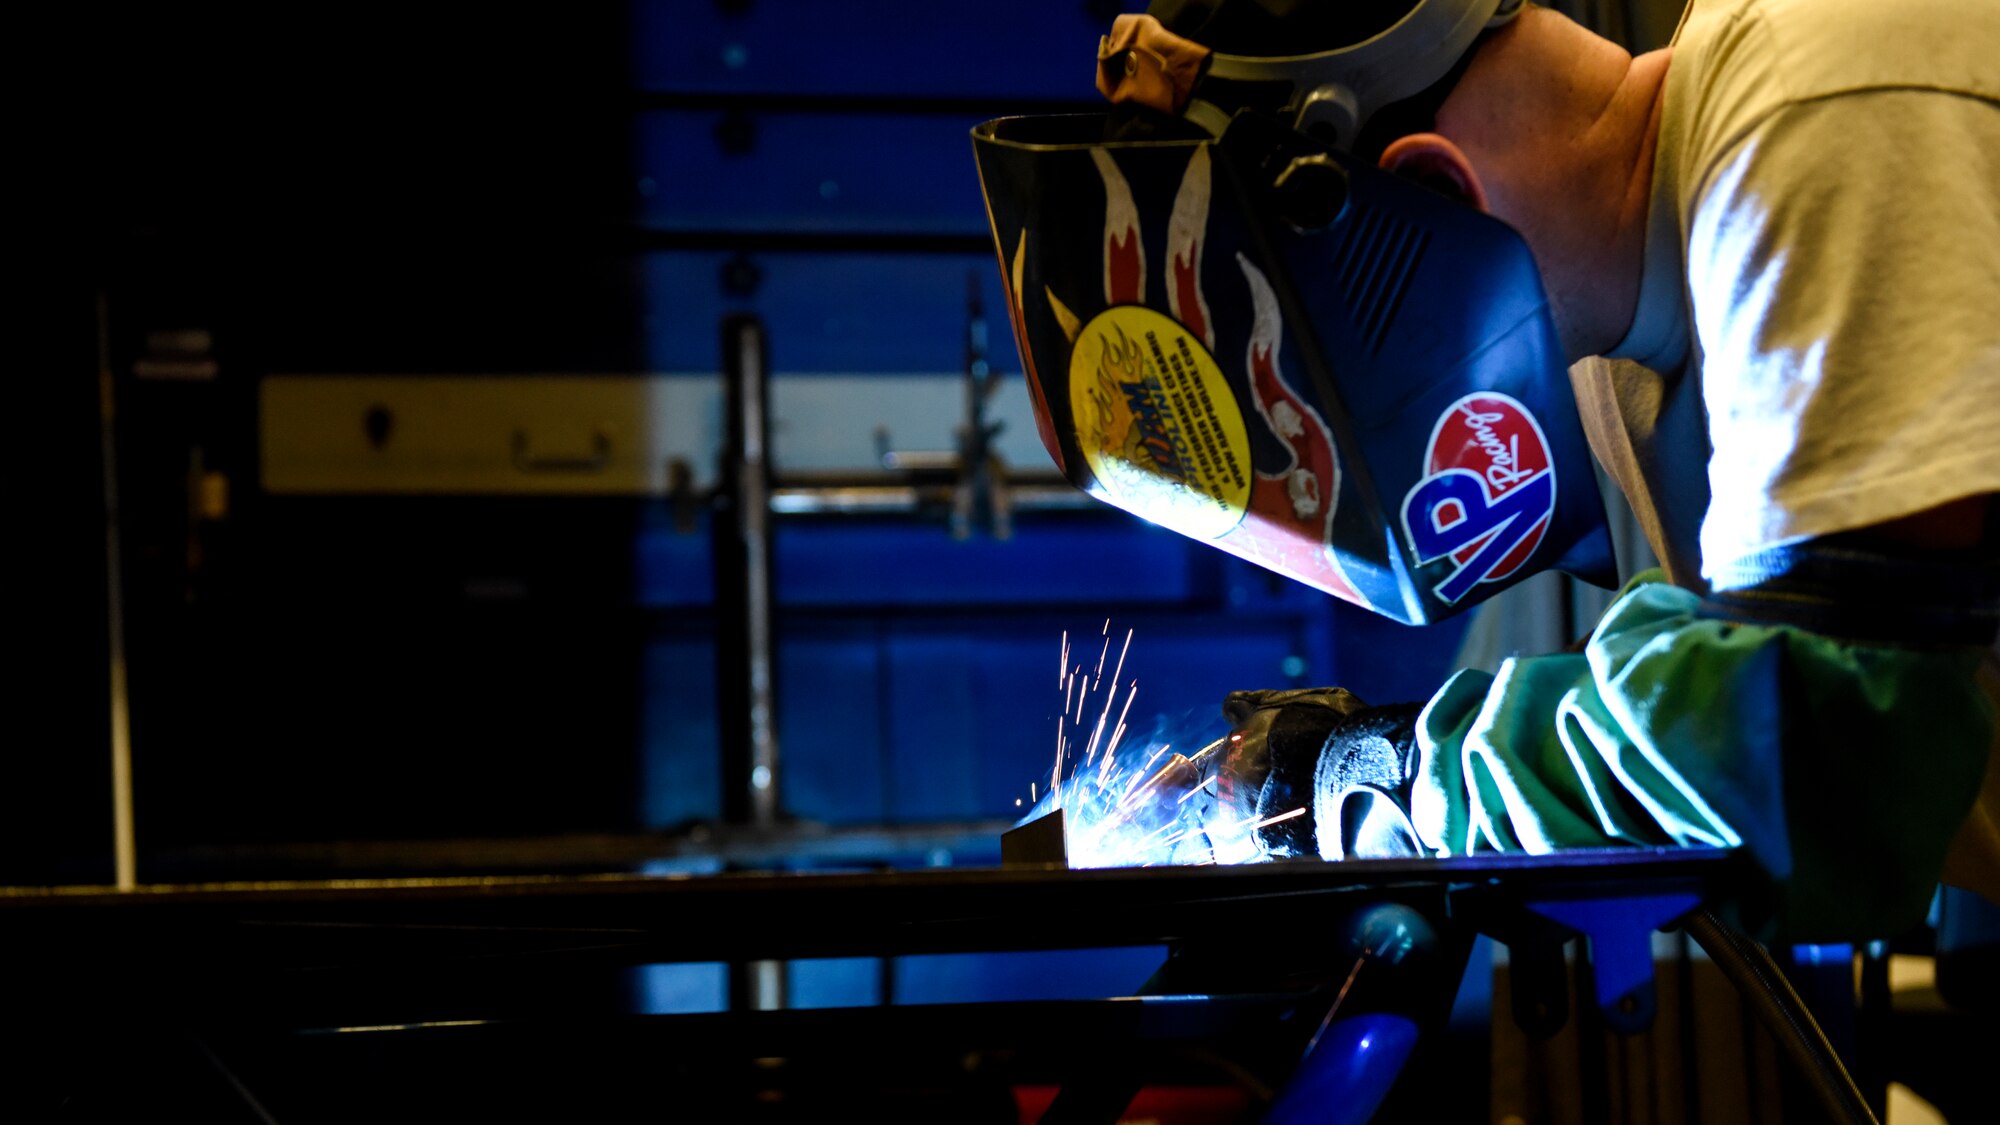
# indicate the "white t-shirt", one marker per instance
pixel 1817 342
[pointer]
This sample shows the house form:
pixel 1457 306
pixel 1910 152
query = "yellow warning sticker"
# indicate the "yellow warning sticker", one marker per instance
pixel 1158 424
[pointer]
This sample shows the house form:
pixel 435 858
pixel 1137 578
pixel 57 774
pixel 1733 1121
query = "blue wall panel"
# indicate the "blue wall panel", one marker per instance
pixel 1108 561
pixel 831 727
pixel 952 978
pixel 833 982
pixel 1081 974
pixel 898 48
pixel 680 989
pixel 680 742
pixel 673 567
pixel 865 313
pixel 824 172
pixel 937 719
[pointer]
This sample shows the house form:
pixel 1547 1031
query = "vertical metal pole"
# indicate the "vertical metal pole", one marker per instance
pixel 746 620
pixel 124 843
pixel 751 780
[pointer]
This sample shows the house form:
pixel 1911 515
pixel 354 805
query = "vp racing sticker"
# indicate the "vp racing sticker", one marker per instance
pixel 1488 493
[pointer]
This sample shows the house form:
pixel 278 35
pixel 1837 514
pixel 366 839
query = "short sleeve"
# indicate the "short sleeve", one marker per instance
pixel 1844 273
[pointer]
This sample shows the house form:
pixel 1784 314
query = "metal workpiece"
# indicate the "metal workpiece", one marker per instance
pixel 1041 841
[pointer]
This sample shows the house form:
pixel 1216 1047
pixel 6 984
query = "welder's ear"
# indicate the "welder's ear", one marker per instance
pixel 1436 163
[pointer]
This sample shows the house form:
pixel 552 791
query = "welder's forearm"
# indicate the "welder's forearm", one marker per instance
pixel 1842 768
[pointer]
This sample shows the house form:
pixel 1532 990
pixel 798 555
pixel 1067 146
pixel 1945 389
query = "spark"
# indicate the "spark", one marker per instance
pixel 1246 825
pixel 1017 802
pixel 1211 748
pixel 1121 717
pixel 1031 791
pixel 1106 766
pixel 1338 998
pixel 1270 820
pixel 1206 782
pixel 1144 770
pixel 1109 793
pixel 1096 733
pixel 1121 657
pixel 1110 698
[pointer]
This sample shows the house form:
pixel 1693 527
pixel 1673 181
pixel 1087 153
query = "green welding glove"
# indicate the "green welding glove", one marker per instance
pixel 1840 768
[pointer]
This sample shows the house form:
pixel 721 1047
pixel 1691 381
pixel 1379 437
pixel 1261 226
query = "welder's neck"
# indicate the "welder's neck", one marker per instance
pixel 1642 102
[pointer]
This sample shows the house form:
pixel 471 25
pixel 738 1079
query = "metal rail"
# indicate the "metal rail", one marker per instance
pixel 734 846
pixel 637 919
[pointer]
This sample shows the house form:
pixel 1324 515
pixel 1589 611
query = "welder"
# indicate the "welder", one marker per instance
pixel 1770 250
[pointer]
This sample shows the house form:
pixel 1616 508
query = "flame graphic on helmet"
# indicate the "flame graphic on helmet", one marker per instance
pixel 1124 254
pixel 1122 409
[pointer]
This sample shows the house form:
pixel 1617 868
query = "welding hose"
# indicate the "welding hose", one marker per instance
pixel 1771 999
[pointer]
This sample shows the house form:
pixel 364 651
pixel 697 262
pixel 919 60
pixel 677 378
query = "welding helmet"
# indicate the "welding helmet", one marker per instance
pixel 1236 328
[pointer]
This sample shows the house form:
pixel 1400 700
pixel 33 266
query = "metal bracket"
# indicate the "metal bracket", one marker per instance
pixel 1619 938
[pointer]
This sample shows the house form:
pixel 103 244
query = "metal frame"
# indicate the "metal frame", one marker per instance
pixel 243 962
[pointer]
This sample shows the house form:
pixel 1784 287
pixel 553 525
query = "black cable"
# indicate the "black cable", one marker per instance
pixel 1771 999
